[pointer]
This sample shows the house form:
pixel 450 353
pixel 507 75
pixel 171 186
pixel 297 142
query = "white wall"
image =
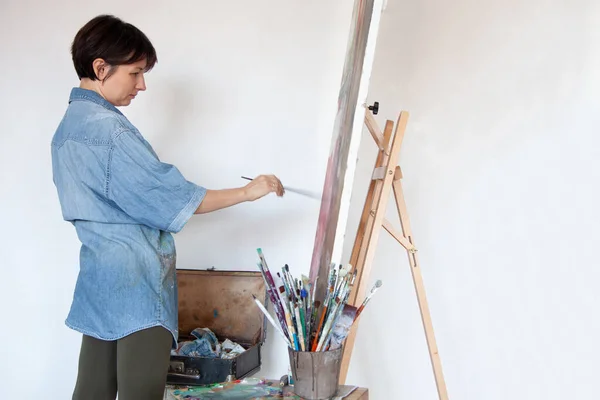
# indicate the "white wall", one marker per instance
pixel 231 76
pixel 501 162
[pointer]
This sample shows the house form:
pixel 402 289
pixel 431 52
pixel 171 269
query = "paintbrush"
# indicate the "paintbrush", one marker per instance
pixel 342 283
pixel 323 315
pixel 328 324
pixel 341 317
pixel 306 290
pixel 290 279
pixel 364 303
pixel 277 306
pixel 300 328
pixel 264 310
pixel 309 299
pixel 302 192
pixel 307 309
pixel 345 317
pixel 303 298
pixel 265 268
pixel 331 298
pixel 288 319
pixel 283 281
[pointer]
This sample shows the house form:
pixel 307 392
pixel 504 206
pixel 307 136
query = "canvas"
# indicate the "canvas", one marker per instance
pixel 342 134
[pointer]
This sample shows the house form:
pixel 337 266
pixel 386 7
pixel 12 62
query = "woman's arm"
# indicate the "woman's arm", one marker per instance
pixel 218 199
pixel 257 188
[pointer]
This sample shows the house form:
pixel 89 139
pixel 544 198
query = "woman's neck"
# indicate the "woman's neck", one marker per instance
pixel 87 83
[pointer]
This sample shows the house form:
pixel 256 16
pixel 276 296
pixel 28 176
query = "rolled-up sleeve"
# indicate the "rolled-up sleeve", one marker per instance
pixel 151 192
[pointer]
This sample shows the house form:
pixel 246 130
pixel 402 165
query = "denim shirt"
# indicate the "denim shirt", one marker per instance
pixel 125 204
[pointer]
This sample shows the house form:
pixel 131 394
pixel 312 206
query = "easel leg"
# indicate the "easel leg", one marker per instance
pixel 420 290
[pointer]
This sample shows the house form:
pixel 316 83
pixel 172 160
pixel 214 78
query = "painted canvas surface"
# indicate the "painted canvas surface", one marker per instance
pixel 342 133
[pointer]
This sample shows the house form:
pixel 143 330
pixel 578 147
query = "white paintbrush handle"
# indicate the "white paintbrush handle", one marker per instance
pixel 264 310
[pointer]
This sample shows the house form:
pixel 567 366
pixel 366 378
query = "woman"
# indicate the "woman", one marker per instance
pixel 125 204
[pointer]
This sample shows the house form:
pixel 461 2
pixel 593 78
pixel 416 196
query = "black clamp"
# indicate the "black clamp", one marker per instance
pixel 374 108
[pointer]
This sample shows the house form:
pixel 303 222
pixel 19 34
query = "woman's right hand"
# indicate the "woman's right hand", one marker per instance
pixel 263 185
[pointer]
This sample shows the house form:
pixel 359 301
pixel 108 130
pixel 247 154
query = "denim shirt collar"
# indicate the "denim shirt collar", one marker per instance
pixel 89 95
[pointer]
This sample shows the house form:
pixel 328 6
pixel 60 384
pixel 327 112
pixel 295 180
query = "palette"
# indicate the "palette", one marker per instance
pixel 247 389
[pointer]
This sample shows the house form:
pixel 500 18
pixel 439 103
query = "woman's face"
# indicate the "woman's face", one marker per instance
pixel 123 84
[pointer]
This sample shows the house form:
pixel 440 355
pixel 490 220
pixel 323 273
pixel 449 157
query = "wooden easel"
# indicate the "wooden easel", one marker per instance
pixel 387 176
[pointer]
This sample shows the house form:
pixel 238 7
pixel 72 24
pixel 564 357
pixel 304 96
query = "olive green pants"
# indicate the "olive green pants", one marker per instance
pixel 136 366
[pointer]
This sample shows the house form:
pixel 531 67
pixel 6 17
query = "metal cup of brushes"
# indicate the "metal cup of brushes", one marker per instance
pixel 316 374
pixel 314 332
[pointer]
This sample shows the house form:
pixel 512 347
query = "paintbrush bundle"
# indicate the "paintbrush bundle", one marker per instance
pixel 306 324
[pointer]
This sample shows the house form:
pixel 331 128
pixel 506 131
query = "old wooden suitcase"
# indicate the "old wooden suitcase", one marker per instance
pixel 221 301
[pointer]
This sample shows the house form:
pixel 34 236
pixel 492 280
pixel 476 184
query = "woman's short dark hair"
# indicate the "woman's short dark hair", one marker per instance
pixel 113 40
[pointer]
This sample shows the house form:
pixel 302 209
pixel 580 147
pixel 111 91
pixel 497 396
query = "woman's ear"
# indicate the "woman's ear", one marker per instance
pixel 101 68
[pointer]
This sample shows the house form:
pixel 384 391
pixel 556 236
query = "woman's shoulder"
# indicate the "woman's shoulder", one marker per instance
pixel 92 122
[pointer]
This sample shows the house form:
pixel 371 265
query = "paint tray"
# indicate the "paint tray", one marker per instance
pixel 221 301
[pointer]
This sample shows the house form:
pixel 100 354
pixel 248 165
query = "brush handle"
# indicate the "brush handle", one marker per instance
pixel 313 318
pixel 314 288
pixel 285 284
pixel 361 308
pixel 328 325
pixel 273 296
pixel 299 328
pixel 315 341
pixel 288 283
pixel 363 305
pixel 290 325
pixel 264 311
pixel 274 288
pixel 368 298
pixel 323 315
pixel 277 306
pixel 303 323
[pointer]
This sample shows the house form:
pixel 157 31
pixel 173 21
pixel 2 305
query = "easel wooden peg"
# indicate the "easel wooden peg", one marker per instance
pixel 387 177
